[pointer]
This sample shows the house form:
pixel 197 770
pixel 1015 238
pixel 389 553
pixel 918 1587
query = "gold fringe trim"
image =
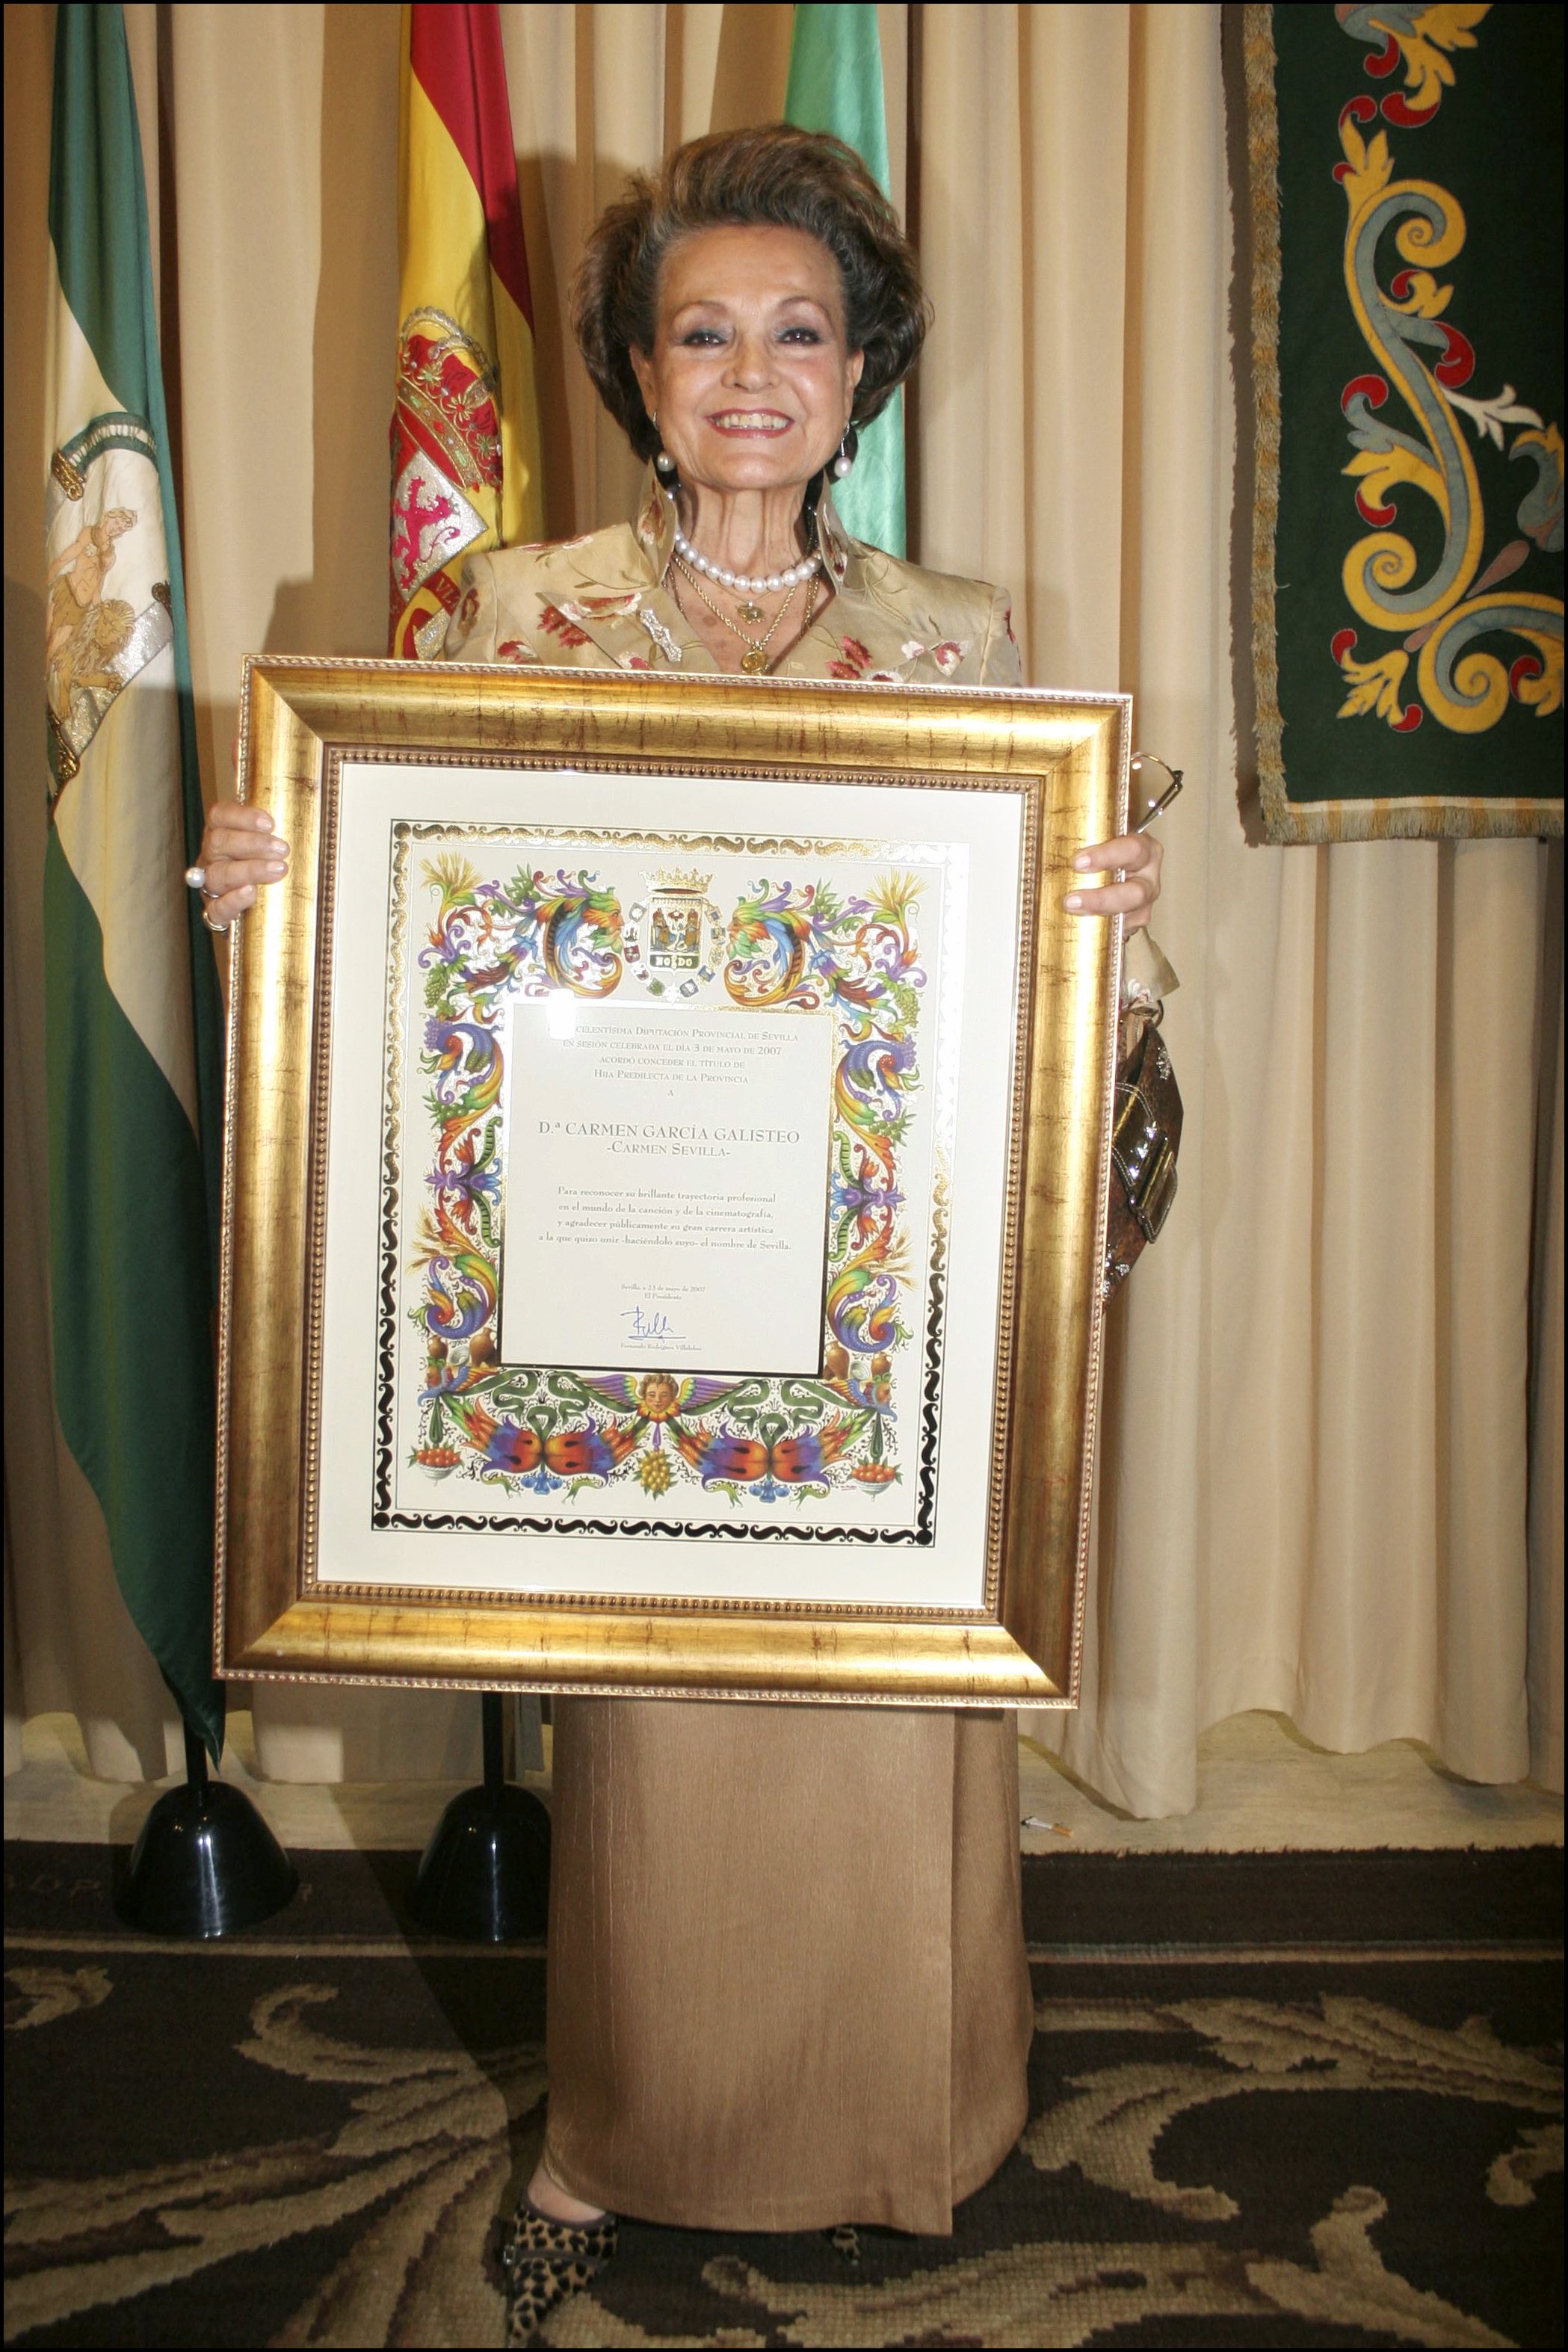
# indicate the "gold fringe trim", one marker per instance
pixel 1409 818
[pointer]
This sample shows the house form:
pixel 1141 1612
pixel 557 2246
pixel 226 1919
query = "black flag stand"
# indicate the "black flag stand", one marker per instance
pixel 205 1862
pixel 485 1875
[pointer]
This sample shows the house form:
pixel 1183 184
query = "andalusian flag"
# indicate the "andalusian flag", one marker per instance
pixel 465 429
pixel 131 995
pixel 835 84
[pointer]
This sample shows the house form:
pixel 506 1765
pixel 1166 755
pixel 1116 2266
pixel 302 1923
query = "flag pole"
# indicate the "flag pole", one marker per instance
pixel 465 478
pixel 129 982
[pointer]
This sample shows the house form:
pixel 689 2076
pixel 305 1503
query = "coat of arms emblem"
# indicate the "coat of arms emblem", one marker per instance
pixel 445 464
pixel 110 611
pixel 675 937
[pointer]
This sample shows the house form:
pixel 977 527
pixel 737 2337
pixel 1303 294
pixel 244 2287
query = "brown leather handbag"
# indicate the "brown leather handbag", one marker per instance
pixel 1145 1134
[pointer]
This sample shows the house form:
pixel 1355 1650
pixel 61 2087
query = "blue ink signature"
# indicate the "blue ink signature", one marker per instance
pixel 648 1327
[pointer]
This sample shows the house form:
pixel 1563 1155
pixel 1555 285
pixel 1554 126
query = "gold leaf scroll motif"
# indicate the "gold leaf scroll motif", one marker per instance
pixel 1424 359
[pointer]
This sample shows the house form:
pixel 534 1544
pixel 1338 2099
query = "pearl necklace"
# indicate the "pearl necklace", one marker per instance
pixel 755 657
pixel 770 584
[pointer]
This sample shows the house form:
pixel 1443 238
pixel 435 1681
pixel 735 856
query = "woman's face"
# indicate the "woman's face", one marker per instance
pixel 750 376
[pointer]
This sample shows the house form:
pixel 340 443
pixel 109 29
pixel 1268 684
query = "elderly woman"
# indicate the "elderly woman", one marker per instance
pixel 787 1985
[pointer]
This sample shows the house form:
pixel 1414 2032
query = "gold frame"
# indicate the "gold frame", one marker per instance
pixel 1071 754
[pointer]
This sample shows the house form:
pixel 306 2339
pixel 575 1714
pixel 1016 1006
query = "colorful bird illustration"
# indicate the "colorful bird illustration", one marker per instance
pixel 725 1457
pixel 591 1451
pixel 508 1445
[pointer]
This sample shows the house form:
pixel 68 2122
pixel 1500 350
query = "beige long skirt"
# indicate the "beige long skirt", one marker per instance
pixel 787 1986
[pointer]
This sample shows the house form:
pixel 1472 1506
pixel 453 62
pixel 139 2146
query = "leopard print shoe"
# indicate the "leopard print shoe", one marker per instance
pixel 542 2262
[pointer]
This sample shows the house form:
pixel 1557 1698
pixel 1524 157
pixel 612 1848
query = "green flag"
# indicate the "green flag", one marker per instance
pixel 130 982
pixel 835 84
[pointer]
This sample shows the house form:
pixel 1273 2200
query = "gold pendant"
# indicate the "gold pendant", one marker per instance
pixel 750 613
pixel 754 658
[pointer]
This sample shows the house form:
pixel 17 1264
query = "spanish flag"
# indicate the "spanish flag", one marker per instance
pixel 465 426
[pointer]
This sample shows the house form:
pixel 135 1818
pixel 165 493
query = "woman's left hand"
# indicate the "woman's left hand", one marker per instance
pixel 1139 854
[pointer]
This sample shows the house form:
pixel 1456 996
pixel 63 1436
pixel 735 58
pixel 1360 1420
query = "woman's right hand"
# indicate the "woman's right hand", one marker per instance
pixel 241 849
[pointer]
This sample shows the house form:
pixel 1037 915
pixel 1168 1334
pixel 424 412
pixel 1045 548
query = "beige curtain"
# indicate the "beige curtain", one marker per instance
pixel 1331 1479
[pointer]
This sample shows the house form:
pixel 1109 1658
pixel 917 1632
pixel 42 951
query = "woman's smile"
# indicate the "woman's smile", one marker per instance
pixel 764 422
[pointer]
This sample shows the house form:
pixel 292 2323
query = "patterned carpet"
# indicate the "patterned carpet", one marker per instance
pixel 1276 2100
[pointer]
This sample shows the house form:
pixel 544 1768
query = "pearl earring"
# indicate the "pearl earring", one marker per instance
pixel 842 463
pixel 663 462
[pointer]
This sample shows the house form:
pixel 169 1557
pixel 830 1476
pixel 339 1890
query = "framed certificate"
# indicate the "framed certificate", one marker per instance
pixel 666 1166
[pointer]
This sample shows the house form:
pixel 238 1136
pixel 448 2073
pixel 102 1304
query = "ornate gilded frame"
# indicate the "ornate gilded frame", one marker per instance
pixel 1065 757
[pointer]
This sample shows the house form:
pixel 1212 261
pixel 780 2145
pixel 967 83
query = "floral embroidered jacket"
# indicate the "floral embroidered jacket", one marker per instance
pixel 600 602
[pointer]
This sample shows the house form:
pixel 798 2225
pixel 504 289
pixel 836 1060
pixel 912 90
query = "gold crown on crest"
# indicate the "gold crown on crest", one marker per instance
pixel 673 882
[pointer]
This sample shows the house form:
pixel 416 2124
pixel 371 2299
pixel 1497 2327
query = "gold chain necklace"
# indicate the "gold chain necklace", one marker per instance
pixel 755 657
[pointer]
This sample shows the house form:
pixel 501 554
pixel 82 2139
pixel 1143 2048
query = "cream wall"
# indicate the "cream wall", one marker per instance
pixel 1336 1385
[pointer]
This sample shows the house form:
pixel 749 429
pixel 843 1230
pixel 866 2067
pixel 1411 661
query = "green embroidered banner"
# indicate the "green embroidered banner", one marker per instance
pixel 1407 197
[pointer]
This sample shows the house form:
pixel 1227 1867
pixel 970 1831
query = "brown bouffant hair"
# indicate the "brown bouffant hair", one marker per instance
pixel 770 178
